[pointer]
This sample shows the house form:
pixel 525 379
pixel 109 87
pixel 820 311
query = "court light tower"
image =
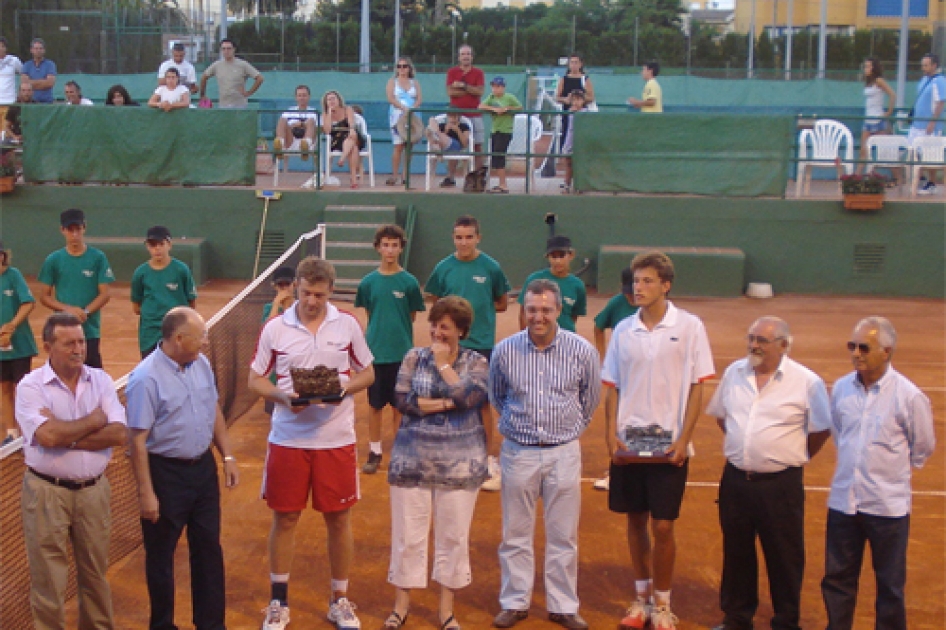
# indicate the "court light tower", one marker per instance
pixel 902 53
pixel 364 56
pixel 454 16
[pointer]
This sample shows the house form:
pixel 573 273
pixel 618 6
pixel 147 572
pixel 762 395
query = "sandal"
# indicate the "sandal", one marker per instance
pixel 497 190
pixel 446 624
pixel 391 181
pixel 395 621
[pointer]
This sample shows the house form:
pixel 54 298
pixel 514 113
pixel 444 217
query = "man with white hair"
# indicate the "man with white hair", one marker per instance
pixel 775 415
pixel 882 425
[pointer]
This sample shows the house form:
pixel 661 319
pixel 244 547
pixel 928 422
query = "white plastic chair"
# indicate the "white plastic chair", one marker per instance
pixel 821 147
pixel 365 152
pixel 524 136
pixel 889 152
pixel 930 153
pixel 433 157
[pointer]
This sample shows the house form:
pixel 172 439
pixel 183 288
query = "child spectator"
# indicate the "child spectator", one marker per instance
pixel 17 345
pixel 500 105
pixel 560 254
pixel 576 103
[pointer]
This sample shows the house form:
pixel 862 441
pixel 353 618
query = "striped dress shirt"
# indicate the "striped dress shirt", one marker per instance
pixel 544 397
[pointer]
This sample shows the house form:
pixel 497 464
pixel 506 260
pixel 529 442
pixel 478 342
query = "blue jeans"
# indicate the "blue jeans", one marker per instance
pixel 844 553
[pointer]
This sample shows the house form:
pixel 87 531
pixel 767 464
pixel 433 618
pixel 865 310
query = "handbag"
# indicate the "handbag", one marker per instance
pixel 476 181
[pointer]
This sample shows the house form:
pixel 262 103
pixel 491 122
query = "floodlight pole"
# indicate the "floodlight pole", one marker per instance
pixel 823 40
pixel 397 30
pixel 223 19
pixel 788 42
pixel 365 54
pixel 750 61
pixel 902 53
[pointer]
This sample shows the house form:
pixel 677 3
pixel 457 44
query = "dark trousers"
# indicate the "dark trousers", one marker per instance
pixel 844 554
pixel 772 508
pixel 188 496
pixel 93 353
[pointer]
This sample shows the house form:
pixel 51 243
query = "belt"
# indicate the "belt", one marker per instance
pixel 748 475
pixel 68 484
pixel 541 444
pixel 184 461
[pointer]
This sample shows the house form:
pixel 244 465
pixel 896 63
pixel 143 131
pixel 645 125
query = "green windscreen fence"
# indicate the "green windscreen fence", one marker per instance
pixel 139 145
pixel 737 156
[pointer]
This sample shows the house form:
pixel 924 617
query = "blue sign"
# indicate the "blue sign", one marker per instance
pixel 894 8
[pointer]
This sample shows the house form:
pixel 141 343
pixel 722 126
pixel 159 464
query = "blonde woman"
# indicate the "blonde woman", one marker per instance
pixel 403 93
pixel 338 121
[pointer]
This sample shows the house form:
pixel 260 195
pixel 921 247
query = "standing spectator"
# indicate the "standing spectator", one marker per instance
pixel 656 363
pixel 544 383
pixel 10 66
pixel 74 96
pixel 466 85
pixel 185 69
pixel 171 95
pixel 560 254
pixel 296 127
pixel 576 104
pixel 392 298
pixel 500 104
pixel 450 136
pixel 17 346
pixel 75 279
pixel 71 418
pixel 477 278
pixel 927 110
pixel 775 415
pixel 40 72
pixel 311 448
pixel 118 96
pixel 882 426
pixel 652 100
pixel 231 74
pixel 438 461
pixel 876 115
pixel 574 79
pixel 176 470
pixel 157 286
pixel 403 94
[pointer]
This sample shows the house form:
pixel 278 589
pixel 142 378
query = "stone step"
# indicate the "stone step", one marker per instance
pixel 346 250
pixel 374 215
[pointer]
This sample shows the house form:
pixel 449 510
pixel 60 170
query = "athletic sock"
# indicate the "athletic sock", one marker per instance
pixel 375 447
pixel 339 586
pixel 279 587
pixel 644 589
pixel 662 598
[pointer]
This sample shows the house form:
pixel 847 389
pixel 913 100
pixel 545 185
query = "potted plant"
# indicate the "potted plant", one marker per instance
pixel 8 170
pixel 863 192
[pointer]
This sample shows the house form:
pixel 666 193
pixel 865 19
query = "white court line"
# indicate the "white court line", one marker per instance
pixel 715 484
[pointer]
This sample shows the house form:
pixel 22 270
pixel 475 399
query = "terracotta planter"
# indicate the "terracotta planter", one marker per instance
pixel 7 184
pixel 862 202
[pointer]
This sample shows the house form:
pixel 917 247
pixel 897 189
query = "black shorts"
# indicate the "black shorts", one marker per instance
pixel 381 392
pixel 654 488
pixel 13 370
pixel 500 143
pixel 93 356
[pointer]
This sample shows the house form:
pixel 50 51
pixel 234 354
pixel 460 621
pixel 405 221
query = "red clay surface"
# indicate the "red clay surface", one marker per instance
pixel 821 326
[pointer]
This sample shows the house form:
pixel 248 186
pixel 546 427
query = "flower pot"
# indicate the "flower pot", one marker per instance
pixel 864 201
pixel 7 184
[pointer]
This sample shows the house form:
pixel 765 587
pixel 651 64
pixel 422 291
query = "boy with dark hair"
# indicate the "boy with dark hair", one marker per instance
pixel 651 101
pixel 560 254
pixel 157 286
pixel 391 296
pixel 502 106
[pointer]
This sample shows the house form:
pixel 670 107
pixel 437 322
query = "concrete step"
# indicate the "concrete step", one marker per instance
pixel 350 232
pixel 345 250
pixel 375 215
pixel 353 269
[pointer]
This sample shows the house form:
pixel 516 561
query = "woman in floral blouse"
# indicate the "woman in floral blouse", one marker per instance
pixel 438 461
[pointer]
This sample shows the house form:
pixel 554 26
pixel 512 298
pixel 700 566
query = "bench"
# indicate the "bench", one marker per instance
pixel 700 271
pixel 125 253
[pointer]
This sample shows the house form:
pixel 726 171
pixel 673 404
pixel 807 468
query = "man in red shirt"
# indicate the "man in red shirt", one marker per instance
pixel 465 86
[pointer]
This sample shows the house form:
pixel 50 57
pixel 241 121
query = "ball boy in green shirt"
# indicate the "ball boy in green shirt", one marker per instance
pixel 560 254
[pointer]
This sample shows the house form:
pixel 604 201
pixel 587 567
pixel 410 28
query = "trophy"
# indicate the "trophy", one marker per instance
pixel 645 445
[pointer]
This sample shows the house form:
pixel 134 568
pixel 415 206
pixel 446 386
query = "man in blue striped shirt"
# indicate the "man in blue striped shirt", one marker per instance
pixel 544 383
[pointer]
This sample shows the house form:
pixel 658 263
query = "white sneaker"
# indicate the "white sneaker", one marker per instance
pixel 495 481
pixel 662 619
pixel 928 189
pixel 603 484
pixel 342 613
pixel 637 616
pixel 277 616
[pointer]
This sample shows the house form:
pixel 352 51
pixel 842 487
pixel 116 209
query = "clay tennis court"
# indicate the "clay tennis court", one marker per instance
pixel 821 326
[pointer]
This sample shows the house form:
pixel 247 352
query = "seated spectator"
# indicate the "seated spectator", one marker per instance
pixel 577 103
pixel 11 121
pixel 74 94
pixel 338 121
pixel 450 136
pixel 184 69
pixel 296 127
pixel 502 106
pixel 118 96
pixel 171 95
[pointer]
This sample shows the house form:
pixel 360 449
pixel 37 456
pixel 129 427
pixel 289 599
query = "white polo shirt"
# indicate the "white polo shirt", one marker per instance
pixel 654 369
pixel 184 69
pixel 767 431
pixel 340 343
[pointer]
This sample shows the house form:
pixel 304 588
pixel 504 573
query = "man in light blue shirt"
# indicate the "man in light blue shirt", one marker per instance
pixel 928 109
pixel 882 425
pixel 544 382
pixel 41 72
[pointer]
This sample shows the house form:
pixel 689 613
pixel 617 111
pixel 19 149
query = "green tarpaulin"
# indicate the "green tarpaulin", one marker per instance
pixel 139 145
pixel 740 156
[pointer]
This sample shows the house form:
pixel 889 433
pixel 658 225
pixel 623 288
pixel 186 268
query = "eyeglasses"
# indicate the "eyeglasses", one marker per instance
pixel 403 65
pixel 863 347
pixel 762 341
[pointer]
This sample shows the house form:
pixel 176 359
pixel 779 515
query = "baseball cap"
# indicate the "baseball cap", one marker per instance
pixel 627 281
pixel 72 216
pixel 158 233
pixel 558 244
pixel 283 274
pixel 498 81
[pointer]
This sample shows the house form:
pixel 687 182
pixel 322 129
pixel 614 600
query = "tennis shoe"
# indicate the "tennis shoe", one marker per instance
pixel 662 619
pixel 277 616
pixel 927 189
pixel 495 481
pixel 602 484
pixel 637 616
pixel 342 613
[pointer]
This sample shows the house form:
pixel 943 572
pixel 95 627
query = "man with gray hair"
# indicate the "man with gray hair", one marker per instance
pixel 775 415
pixel 882 425
pixel 544 383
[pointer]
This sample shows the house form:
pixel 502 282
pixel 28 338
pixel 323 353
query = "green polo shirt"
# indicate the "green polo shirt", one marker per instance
pixel 390 299
pixel 13 294
pixel 158 291
pixel 505 122
pixel 76 280
pixel 574 296
pixel 616 310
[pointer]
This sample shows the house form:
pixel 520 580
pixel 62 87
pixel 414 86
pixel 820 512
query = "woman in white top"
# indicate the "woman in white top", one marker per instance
pixel 875 114
pixel 403 94
pixel 171 95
